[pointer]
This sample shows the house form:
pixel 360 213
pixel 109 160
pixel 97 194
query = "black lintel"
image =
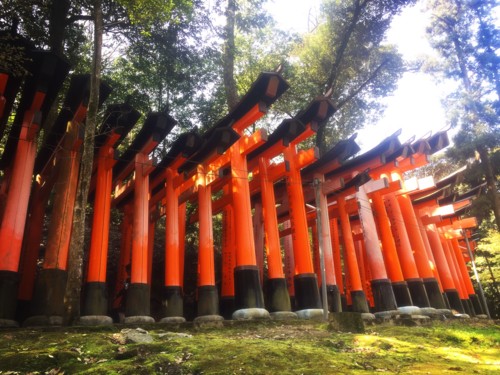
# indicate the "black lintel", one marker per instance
pixel 357 181
pixel 156 126
pixel 220 140
pixel 286 132
pixel 267 88
pixel 319 111
pixel 119 118
pixel 439 141
pixel 440 193
pixel 387 147
pixel 342 150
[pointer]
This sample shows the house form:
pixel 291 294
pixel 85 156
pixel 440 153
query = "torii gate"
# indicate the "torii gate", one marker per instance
pixel 37 98
pixel 136 160
pixel 119 120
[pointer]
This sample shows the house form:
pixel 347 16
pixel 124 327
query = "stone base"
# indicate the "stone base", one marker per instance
pixel 138 319
pixel 173 320
pixel 461 316
pixel 95 320
pixel 43 321
pixel 482 316
pixel 386 315
pixel 409 310
pixel 208 321
pixel 283 315
pixel 306 291
pixel 368 317
pixel 8 323
pixel 251 314
pixel 412 320
pixel 310 314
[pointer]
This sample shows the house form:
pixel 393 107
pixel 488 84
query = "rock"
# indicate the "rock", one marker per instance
pixel 283 315
pixel 138 319
pixel 208 321
pixel 310 314
pixel 175 335
pixel 95 320
pixel 137 336
pixel 251 314
pixel 410 310
pixel 346 322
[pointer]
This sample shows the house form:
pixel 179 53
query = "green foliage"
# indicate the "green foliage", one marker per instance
pixel 488 264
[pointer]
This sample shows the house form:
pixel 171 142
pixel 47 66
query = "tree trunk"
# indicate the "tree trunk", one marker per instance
pixel 490 183
pixel 229 52
pixel 75 261
pixel 58 11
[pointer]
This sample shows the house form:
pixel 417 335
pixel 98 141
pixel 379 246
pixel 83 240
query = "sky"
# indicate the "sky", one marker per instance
pixel 415 106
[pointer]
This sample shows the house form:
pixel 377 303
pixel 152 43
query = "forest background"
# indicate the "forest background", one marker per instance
pixel 194 58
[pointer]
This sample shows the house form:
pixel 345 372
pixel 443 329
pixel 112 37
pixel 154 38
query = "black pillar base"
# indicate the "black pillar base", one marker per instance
pixel 343 301
pixel 402 293
pixel 476 304
pixel 418 292
pixel 48 296
pixel 383 295
pixel 23 310
pixel 446 301
pixel 333 297
pixel 208 300
pixel 359 302
pixel 138 300
pixel 306 292
pixel 434 293
pixel 227 307
pixel 247 289
pixel 172 302
pixel 9 283
pixel 454 299
pixel 96 299
pixel 277 298
pixel 468 307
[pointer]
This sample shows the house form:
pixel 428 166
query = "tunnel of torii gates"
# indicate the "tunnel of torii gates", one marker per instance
pixel 381 241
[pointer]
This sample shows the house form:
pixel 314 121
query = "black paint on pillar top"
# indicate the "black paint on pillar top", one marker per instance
pixel 9 283
pixel 208 300
pixel 138 300
pixel 383 295
pixel 247 289
pixel 454 299
pixel 277 298
pixel 359 302
pixel 402 293
pixel 96 299
pixel 227 306
pixel 172 302
pixel 333 298
pixel 476 304
pixel 434 293
pixel 418 292
pixel 48 296
pixel 306 292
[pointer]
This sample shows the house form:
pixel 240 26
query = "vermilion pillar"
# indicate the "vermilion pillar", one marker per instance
pixel 228 261
pixel 419 252
pixel 337 258
pixel 173 300
pixel 383 295
pixel 247 288
pixel 96 291
pixel 289 263
pixel 358 297
pixel 277 297
pixel 464 273
pixel 455 300
pixel 305 282
pixel 332 290
pixel 208 299
pixel 390 254
pixel 50 286
pixel 14 217
pixel 138 294
pixel 405 255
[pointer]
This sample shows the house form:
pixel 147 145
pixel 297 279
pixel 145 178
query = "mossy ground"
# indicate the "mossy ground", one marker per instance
pixel 454 347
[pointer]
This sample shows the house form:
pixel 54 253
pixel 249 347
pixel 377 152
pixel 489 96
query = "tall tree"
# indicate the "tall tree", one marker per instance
pixel 464 34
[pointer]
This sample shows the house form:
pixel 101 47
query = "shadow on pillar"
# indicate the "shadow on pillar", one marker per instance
pixel 454 300
pixel 9 283
pixel 402 293
pixel 434 293
pixel 47 306
pixel 418 292
pixel 383 295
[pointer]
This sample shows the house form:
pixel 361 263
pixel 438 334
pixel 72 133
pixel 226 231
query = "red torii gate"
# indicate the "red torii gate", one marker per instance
pixel 48 71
